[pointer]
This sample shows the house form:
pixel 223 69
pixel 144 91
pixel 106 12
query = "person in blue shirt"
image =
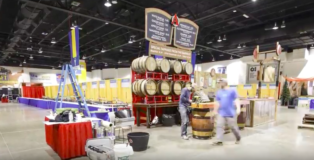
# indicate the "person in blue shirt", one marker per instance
pixel 227 109
pixel 184 104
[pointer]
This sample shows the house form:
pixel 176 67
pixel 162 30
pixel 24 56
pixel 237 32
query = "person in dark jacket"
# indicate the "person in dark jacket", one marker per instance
pixel 184 103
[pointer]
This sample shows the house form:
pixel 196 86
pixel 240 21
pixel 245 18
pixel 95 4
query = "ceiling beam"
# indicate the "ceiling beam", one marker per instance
pixel 129 27
pixel 223 11
pixel 240 10
pixel 83 15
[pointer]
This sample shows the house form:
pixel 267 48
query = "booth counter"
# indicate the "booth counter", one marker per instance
pixel 260 111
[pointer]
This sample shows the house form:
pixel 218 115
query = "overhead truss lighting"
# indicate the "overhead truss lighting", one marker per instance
pixel 108 4
pixel 40 50
pixel 239 46
pixel 283 24
pixel 103 50
pixel 246 16
pixel 275 26
pixel 114 1
pixel 53 40
pixel 219 39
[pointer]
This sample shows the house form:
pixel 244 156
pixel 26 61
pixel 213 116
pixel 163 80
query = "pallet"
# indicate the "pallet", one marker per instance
pixel 306 126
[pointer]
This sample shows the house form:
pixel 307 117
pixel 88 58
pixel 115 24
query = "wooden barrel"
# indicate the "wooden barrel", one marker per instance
pixel 186 84
pixel 136 87
pixel 143 64
pixel 163 65
pixel 176 67
pixel 187 68
pixel 163 88
pixel 148 87
pixel 202 120
pixel 176 87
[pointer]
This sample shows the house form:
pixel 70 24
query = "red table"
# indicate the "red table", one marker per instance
pixel 68 140
pixel 4 100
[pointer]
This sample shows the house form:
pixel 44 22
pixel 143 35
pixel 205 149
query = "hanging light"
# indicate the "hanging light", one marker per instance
pixel 30 39
pixel 24 61
pixel 107 23
pixel 119 62
pixel 93 67
pixel 84 57
pixel 59 65
pixel 53 40
pixel 234 11
pixel 103 50
pixel 130 41
pixel 244 45
pixel 106 64
pixel 40 50
pixel 107 4
pixel 20 64
pixel 213 59
pixel 275 26
pixel 231 57
pixel 239 46
pixel 283 25
pixel 53 67
pixel 121 50
pixel 225 38
pixel 114 2
pixel 219 39
pixel 312 46
pixel 31 57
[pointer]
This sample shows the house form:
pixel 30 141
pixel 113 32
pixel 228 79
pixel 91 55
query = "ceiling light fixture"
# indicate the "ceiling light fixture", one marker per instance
pixel 30 39
pixel 106 64
pixel 275 26
pixel 107 4
pixel 234 11
pixel 219 39
pixel 312 46
pixel 93 67
pixel 53 67
pixel 254 0
pixel 130 41
pixel 103 50
pixel 119 62
pixel 114 2
pixel 225 38
pixel 244 45
pixel 246 16
pixel 283 24
pixel 84 57
pixel 121 50
pixel 209 42
pixel 107 23
pixel 59 65
pixel 44 33
pixel 221 55
pixel 213 59
pixel 231 57
pixel 53 40
pixel 31 57
pixel 20 64
pixel 40 50
pixel 24 61
pixel 239 46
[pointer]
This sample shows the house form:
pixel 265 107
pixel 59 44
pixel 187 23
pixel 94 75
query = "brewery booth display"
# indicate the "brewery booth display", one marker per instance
pixel 157 84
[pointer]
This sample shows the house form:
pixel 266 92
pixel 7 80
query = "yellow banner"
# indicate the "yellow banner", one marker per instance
pixel 82 77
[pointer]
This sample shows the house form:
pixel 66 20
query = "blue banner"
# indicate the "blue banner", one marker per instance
pixel 74 44
pixel 193 60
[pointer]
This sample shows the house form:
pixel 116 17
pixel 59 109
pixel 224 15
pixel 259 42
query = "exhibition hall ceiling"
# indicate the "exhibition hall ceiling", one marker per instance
pixel 36 31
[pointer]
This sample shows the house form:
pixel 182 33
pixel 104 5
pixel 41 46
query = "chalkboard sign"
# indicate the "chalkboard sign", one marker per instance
pixel 157 26
pixel 185 35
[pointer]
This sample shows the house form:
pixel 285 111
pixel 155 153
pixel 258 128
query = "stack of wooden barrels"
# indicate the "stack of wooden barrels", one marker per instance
pixel 150 87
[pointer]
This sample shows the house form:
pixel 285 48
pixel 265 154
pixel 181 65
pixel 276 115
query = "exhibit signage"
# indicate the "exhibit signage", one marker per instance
pixel 40 77
pixel 102 84
pixel 185 34
pixel 94 85
pixel 247 86
pixel 125 83
pixel 171 52
pixel 272 86
pixel 270 70
pixel 113 83
pixel 157 26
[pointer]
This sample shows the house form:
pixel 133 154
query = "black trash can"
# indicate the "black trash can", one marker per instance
pixel 138 140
